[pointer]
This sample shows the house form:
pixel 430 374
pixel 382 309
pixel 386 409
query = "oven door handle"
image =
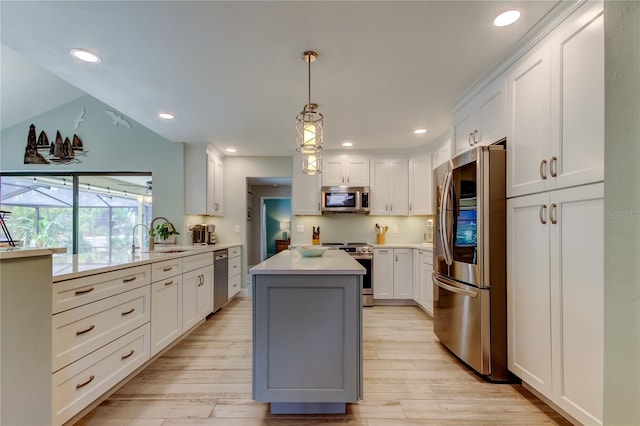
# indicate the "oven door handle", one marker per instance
pixel 454 289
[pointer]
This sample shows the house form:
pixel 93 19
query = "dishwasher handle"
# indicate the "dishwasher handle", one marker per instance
pixel 221 256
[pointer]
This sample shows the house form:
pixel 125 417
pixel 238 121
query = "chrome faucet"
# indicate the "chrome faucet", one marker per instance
pixel 152 244
pixel 133 242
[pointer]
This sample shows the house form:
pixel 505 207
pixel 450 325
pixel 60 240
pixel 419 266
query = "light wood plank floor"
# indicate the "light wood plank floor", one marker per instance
pixel 409 379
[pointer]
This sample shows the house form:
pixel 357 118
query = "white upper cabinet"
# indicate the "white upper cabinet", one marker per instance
pixel 389 187
pixel 420 202
pixel 555 99
pixel 305 190
pixel 341 170
pixel 441 153
pixel 204 181
pixel 482 120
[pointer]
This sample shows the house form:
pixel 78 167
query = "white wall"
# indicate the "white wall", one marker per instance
pixel 108 148
pixel 622 213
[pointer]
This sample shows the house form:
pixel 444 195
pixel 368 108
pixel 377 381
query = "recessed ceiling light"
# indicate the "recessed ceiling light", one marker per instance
pixel 86 56
pixel 230 150
pixel 506 18
pixel 420 131
pixel 347 143
pixel 166 116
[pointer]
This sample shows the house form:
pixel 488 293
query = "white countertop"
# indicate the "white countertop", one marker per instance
pixel 421 246
pixel 21 252
pixel 290 262
pixel 69 266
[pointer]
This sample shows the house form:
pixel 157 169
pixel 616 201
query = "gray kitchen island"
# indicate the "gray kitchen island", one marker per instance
pixel 307 332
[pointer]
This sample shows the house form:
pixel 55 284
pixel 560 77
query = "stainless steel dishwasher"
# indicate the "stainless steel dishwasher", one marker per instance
pixel 220 278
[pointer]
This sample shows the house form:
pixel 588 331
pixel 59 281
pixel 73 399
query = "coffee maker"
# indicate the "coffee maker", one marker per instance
pixel 210 234
pixel 199 234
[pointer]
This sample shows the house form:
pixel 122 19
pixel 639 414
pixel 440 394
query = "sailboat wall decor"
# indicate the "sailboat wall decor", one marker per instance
pixel 59 151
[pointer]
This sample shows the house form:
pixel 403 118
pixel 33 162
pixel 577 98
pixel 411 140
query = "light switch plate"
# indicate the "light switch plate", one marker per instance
pixel 299 228
pixel 236 228
pixel 394 229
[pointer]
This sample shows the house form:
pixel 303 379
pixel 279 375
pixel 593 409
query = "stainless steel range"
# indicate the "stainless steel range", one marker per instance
pixel 363 253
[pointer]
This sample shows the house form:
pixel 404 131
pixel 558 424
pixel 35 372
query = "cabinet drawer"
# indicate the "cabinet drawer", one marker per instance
pixel 235 251
pixel 80 291
pixel 234 285
pixel 191 263
pixel 82 330
pixel 234 266
pixel 166 269
pixel 78 385
pixel 427 256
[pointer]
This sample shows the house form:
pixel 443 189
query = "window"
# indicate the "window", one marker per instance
pixel 41 211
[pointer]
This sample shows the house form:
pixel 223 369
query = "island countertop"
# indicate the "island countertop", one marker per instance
pixel 290 262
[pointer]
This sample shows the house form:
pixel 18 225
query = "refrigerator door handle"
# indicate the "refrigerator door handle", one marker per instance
pixel 444 234
pixel 440 283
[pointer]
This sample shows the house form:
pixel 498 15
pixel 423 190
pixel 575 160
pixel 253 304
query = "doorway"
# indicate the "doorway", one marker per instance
pixel 275 225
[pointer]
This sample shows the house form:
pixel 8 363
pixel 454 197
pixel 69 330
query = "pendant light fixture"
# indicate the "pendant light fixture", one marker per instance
pixel 309 127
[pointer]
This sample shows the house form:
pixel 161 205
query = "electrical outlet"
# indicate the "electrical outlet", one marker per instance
pixel 189 228
pixel 299 228
pixel 394 229
pixel 236 228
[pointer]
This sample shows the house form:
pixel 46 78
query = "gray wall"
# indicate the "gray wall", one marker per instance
pixel 108 148
pixel 622 213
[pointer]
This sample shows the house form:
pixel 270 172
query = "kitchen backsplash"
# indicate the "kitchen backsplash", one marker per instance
pixel 359 228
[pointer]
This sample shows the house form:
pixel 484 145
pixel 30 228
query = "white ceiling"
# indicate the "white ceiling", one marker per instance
pixel 232 72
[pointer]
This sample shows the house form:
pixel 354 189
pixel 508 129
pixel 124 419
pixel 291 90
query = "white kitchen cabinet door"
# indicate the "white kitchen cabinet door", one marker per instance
pixel 218 184
pixel 578 64
pixel 204 180
pixel 420 202
pixel 426 283
pixel 482 120
pixel 441 154
pixel 340 170
pixel 529 290
pixel 389 187
pixel 530 108
pixel 402 274
pixel 166 312
pixel 305 190
pixel 464 124
pixel 577 282
pixel 383 273
pixel 197 296
pixel 416 275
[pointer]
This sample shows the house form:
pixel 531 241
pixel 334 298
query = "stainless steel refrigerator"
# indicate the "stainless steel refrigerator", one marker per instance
pixel 470 312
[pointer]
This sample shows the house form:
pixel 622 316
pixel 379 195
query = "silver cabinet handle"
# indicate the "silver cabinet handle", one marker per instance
pixel 553 165
pixel 552 213
pixel 86 330
pixel 543 213
pixel 543 169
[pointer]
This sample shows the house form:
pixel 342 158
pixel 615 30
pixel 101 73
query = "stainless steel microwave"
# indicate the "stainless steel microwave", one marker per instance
pixel 345 199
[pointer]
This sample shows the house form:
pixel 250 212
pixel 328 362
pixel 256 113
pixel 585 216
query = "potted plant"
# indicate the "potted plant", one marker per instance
pixel 164 233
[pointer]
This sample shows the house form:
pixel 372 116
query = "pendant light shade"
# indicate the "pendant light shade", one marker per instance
pixel 309 124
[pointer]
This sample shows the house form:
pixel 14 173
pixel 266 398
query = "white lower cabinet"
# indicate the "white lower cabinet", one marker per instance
pixel 425 298
pixel 235 267
pixel 166 312
pixel 555 278
pixel 197 296
pixel 79 384
pixel 393 273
